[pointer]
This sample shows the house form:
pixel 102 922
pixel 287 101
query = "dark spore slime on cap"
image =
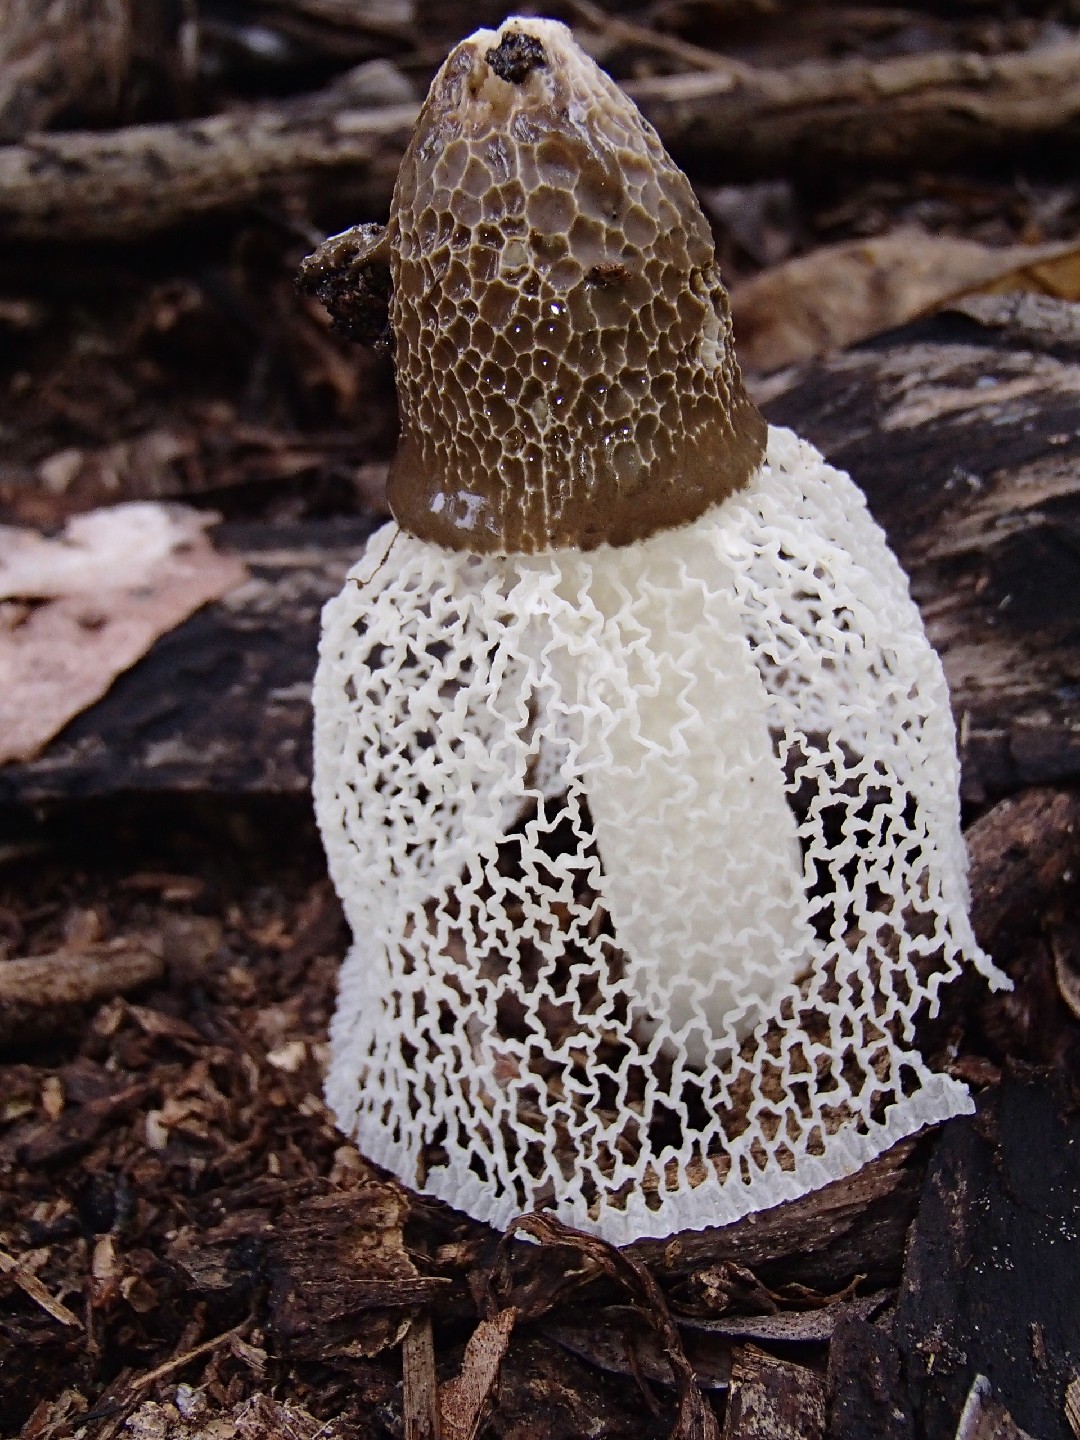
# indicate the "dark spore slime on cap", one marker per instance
pixel 516 56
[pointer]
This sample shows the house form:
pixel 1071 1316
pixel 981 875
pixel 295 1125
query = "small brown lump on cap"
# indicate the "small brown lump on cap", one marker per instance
pixel 515 56
pixel 565 370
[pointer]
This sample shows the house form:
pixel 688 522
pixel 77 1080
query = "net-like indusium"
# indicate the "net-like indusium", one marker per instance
pixel 652 859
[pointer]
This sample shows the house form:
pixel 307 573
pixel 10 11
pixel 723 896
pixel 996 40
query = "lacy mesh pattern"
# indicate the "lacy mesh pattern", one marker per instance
pixel 652 858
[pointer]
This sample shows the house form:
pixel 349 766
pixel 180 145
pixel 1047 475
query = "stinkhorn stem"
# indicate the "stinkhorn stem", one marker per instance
pixel 675 711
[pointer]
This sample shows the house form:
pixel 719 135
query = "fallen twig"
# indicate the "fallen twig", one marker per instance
pixel 143 178
pixel 134 181
pixel 79 977
pixel 160 1372
pixel 857 111
pixel 30 1285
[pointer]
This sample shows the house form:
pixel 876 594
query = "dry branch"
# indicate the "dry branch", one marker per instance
pixel 61 55
pixel 870 112
pixel 80 977
pixel 132 182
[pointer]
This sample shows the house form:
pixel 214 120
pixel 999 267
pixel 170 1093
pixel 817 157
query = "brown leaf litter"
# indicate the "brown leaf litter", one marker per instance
pixel 79 609
pixel 840 294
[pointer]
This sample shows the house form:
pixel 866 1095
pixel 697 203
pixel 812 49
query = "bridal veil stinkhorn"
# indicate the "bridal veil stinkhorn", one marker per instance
pixel 635 770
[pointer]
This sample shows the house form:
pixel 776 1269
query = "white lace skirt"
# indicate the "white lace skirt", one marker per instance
pixel 652 859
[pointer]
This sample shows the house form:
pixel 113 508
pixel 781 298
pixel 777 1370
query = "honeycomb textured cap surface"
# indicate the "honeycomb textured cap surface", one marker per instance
pixel 565 369
pixel 652 858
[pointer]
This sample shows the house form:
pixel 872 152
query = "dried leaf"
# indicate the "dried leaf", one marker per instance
pixel 1072 1406
pixel 984 1418
pixel 1058 277
pixel 342 1282
pixel 841 294
pixel 82 608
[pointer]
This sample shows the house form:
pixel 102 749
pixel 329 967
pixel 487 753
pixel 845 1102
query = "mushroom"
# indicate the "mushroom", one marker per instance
pixel 634 767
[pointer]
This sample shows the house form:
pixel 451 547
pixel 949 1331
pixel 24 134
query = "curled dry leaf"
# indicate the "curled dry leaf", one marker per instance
pixel 841 294
pixel 78 610
pixel 696 1420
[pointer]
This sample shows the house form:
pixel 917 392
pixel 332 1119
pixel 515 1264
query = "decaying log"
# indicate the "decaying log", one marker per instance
pixel 967 443
pixel 853 112
pixel 992 1280
pixel 223 702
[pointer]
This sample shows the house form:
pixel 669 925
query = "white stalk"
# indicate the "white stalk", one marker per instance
pixel 675 721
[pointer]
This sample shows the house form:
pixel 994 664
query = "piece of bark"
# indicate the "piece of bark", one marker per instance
pixel 968 449
pixel 420 1392
pixel 773 1398
pixel 866 1399
pixel 1025 320
pixel 853 1226
pixel 1072 1406
pixel 1023 853
pixel 992 1278
pixel 463 1400
pixel 548 1393
pixel 856 112
pixel 78 1128
pixel 341 1282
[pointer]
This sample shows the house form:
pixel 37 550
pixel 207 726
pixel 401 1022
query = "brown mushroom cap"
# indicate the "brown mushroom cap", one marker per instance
pixel 565 369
